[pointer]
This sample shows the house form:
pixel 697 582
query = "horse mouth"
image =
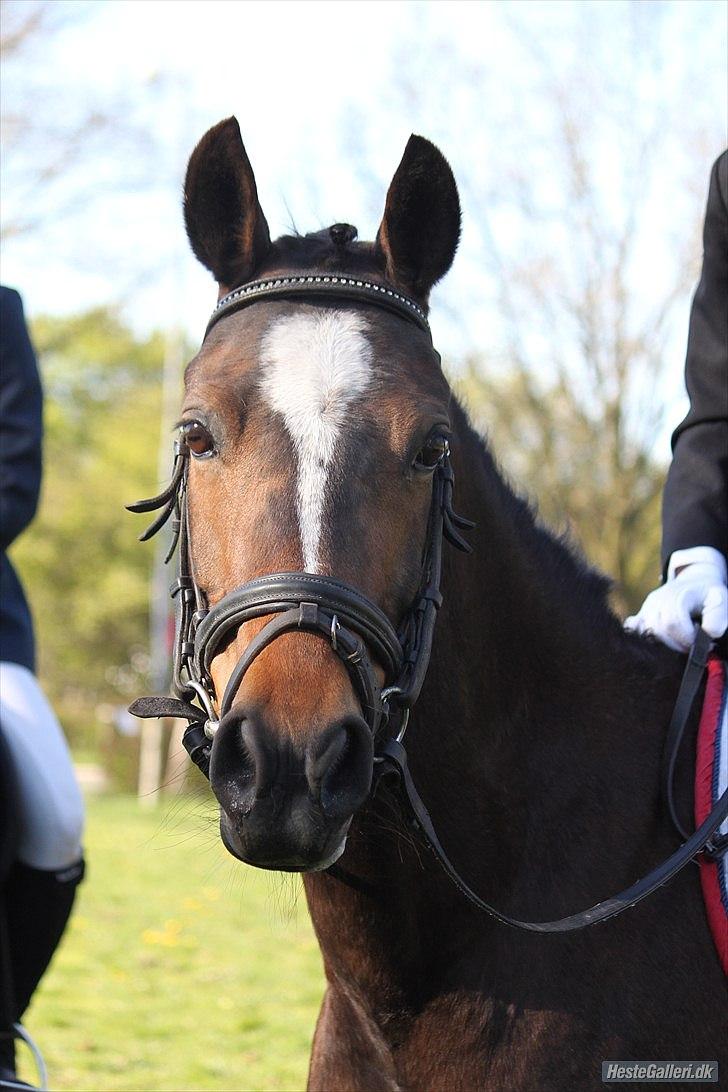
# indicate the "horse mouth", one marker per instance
pixel 281 854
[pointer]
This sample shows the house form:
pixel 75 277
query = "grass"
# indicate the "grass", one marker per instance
pixel 181 969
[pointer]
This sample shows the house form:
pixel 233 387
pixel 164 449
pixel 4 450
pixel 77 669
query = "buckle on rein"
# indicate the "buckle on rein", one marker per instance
pixel 716 847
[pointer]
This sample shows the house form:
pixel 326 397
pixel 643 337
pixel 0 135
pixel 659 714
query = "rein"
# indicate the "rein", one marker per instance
pixel 354 626
pixel 394 760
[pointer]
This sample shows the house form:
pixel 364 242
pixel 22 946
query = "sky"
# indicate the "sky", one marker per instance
pixel 285 69
pixel 326 94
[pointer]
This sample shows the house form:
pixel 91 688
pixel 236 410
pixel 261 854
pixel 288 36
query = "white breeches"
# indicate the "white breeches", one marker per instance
pixel 50 804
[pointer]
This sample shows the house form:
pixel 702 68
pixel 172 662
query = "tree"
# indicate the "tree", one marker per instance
pixel 602 492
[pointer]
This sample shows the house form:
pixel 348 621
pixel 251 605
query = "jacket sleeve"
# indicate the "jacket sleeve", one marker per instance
pixel 695 500
pixel 21 421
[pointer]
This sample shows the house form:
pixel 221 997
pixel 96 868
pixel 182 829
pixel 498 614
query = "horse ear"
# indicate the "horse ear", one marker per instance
pixel 225 223
pixel 420 229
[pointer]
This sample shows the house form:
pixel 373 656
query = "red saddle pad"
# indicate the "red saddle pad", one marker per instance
pixel 711 781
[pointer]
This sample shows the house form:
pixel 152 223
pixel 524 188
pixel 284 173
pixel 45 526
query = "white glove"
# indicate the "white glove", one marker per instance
pixel 695 587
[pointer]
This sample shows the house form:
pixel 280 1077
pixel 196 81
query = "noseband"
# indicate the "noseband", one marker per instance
pixel 356 629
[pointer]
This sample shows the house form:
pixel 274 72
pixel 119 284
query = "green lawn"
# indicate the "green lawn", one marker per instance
pixel 181 968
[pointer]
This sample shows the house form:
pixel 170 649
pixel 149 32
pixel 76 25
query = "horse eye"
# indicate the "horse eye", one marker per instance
pixel 432 454
pixel 198 439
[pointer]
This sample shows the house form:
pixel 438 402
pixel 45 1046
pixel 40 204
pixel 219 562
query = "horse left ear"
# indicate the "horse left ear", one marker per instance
pixel 420 229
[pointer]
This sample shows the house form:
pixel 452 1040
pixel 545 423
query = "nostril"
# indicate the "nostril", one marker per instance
pixel 339 771
pixel 233 764
pixel 327 759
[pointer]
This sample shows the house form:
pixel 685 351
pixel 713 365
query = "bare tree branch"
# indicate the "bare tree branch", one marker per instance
pixel 572 390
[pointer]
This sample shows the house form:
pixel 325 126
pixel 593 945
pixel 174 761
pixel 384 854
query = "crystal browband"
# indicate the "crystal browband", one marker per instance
pixel 321 286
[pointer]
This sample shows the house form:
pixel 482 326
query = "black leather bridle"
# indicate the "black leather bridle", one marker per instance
pixel 358 630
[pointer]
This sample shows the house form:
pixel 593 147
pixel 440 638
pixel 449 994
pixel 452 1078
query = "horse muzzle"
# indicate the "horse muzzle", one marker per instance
pixel 287 805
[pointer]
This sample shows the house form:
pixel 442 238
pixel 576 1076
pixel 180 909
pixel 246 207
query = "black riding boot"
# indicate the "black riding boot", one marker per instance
pixel 37 906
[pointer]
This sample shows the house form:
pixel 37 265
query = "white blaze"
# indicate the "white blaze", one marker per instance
pixel 313 368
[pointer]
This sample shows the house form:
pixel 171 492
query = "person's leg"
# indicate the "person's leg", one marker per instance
pixel 41 885
pixel 50 805
pixel 38 904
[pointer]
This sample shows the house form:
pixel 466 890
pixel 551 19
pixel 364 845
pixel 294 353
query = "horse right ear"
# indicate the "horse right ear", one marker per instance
pixel 225 223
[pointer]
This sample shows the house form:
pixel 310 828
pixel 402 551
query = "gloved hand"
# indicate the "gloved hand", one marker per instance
pixel 695 587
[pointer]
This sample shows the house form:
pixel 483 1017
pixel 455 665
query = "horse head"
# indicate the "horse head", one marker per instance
pixel 314 427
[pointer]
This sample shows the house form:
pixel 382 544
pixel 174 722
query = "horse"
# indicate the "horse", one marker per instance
pixel 320 444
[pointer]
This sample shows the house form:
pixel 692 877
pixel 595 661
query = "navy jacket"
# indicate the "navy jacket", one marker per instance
pixel 695 501
pixel 21 431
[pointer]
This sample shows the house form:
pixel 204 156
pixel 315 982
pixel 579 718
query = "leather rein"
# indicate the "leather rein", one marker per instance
pixel 355 627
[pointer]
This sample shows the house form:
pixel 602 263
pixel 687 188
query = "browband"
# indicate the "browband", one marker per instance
pixel 332 286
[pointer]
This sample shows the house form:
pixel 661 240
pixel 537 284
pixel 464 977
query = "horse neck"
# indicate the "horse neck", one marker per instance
pixel 541 718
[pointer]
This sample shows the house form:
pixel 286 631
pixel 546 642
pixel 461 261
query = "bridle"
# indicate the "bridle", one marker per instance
pixel 359 632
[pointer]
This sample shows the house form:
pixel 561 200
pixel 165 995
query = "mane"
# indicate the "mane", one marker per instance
pixel 557 558
pixel 318 251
